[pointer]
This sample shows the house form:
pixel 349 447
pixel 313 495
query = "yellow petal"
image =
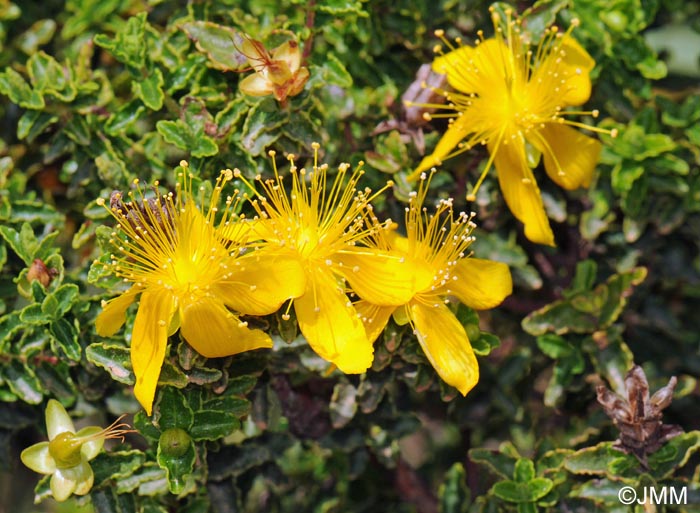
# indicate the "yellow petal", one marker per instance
pixel 331 324
pixel 456 132
pixel 446 345
pixel 255 85
pixel 113 313
pixel 290 53
pixel 84 478
pixel 451 63
pixel 63 483
pixel 38 458
pixel 570 157
pixel 521 192
pixel 579 64
pixel 92 447
pixel 57 419
pixel 214 331
pixel 489 56
pixel 148 342
pixel 262 282
pixel 373 317
pixel 382 277
pixel 481 284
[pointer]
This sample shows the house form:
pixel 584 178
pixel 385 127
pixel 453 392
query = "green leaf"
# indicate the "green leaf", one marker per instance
pixel 65 296
pixel 124 118
pixel 51 78
pixel 56 380
pixel 33 123
pixel 172 411
pixel 499 463
pixel 129 44
pixel 23 382
pixel 150 89
pixel 674 454
pixel 530 491
pixel 78 130
pixel 23 243
pixel 34 314
pixel 593 460
pixel 66 335
pixel 10 324
pixel 342 7
pixel 586 312
pixel 16 88
pixel 116 465
pixel 114 359
pixel 220 43
pixel 524 470
pixel 186 138
pixel 31 211
pixel 343 404
pixel 554 346
pixel 175 132
pixel 37 35
pixel 213 424
pixel 335 73
pixel 453 494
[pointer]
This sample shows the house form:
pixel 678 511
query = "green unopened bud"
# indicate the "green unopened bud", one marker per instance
pixel 174 442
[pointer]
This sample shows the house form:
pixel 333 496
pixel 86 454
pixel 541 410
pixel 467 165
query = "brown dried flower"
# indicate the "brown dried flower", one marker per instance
pixel 40 272
pixel 638 417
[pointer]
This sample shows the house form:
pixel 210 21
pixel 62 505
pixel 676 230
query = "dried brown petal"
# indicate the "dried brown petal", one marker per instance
pixel 38 271
pixel 638 417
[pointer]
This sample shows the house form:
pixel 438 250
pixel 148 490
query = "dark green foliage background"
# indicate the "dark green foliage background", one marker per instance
pixel 98 92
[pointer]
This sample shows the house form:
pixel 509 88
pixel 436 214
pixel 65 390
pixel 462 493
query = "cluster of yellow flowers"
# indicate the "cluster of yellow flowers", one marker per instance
pixel 318 246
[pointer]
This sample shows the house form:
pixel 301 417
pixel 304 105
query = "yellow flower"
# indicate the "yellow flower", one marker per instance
pixel 434 251
pixel 280 74
pixel 188 276
pixel 513 99
pixel 321 225
pixel 65 456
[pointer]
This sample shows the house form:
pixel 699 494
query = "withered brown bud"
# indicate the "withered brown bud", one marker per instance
pixel 637 416
pixel 38 271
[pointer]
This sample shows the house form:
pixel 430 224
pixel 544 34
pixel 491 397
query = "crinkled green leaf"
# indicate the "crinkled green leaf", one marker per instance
pixel 530 491
pixel 586 312
pixel 116 465
pixel 213 424
pixel 128 45
pixel 335 73
pixel 454 495
pixel 13 85
pixel 33 123
pixel 150 89
pixel 124 118
pixel 114 359
pixel 172 411
pixel 66 335
pixel 23 382
pixel 37 35
pixel 221 44
pixel 499 463
pixel 51 78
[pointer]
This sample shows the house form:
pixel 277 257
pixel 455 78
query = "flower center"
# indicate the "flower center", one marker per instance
pixel 65 449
